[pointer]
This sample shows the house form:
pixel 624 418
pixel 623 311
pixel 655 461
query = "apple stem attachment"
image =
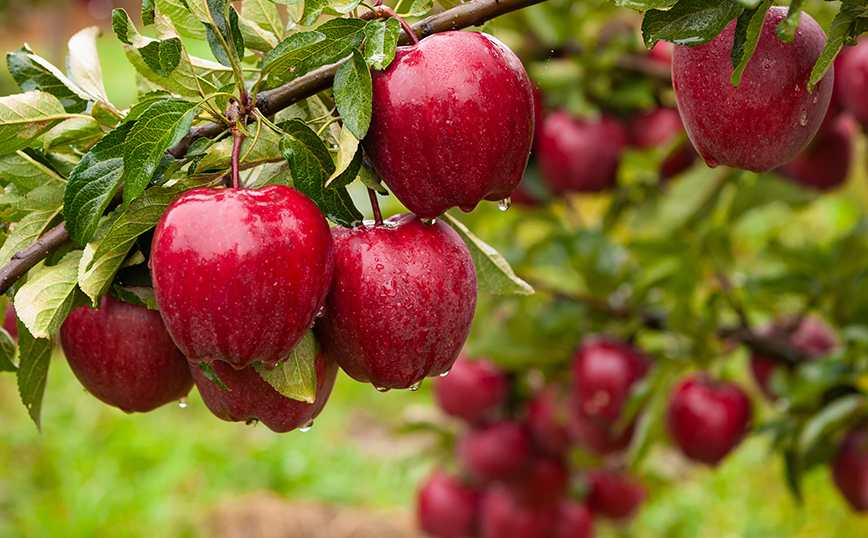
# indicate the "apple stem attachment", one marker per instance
pixel 386 11
pixel 375 206
pixel 237 138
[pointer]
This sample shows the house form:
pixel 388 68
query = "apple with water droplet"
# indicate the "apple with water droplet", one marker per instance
pixel 825 164
pixel 452 123
pixel 401 303
pixel 240 274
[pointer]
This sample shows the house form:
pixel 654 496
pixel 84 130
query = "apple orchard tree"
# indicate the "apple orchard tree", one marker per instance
pixel 187 238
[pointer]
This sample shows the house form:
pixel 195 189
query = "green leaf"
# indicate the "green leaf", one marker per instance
pixel 28 230
pixel 34 360
pixel 689 22
pixel 25 116
pixel 211 375
pixel 83 63
pixel 793 471
pixel 764 190
pixel 492 271
pixel 310 165
pixel 690 198
pixel 747 33
pixel 371 180
pixel 232 43
pixel 266 149
pixel 353 92
pixel 314 8
pixel 347 150
pixel 159 127
pixel 93 183
pixel 381 41
pixel 256 37
pixel 786 29
pixel 48 296
pixel 72 132
pixel 148 9
pixel 264 13
pixel 7 352
pixel 842 29
pixel 136 295
pixel 295 377
pixel 25 172
pixel 32 73
pixel 645 5
pixel 830 419
pixel 186 23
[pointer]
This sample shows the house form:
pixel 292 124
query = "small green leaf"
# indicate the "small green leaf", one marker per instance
pixel 843 28
pixel 831 418
pixel 786 29
pixel 136 295
pixel 209 374
pixel 232 43
pixel 32 73
pixel 314 8
pixel 186 23
pixel 689 22
pixel 49 295
pixel 645 5
pixel 417 8
pixel 7 352
pixel 266 149
pixel 371 180
pixel 492 271
pixel 72 132
pixel 148 9
pixel 793 471
pixel 28 230
pixel 25 116
pixel 34 360
pixel 347 150
pixel 381 41
pixel 747 33
pixel 159 127
pixel 296 376
pixel 264 13
pixel 764 190
pixel 83 63
pixel 25 172
pixel 353 92
pixel 256 37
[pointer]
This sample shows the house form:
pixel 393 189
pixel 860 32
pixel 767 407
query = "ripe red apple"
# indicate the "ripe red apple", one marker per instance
pixel 251 398
pixel 597 438
pixel 473 389
pixel 573 520
pixel 662 52
pixel 503 515
pixel 825 164
pixel 771 116
pixel 10 320
pixel 446 508
pixel 659 128
pixel 707 419
pixel 850 469
pixel 579 155
pixel 123 355
pixel 854 81
pixel 812 336
pixel 544 483
pixel 401 302
pixel 452 122
pixel 547 422
pixel 615 495
pixel 240 274
pixel 499 451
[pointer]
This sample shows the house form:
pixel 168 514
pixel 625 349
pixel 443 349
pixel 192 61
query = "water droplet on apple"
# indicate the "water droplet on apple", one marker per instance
pixel 380 267
pixel 390 289
pixel 321 312
pixel 415 386
pixel 306 428
pixel 799 90
pixel 503 205
pixel 312 324
pixel 444 374
pixel 386 341
pixel 803 118
pixel 381 389
pixel 429 222
pixel 182 403
pixel 711 162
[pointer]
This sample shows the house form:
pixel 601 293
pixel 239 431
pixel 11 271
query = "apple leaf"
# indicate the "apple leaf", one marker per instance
pixel 34 360
pixel 137 295
pixel 7 352
pixel 296 376
pixel 831 418
pixel 83 63
pixel 25 172
pixel 209 374
pixel 49 295
pixel 843 28
pixel 264 13
pixel 348 149
pixel 255 36
pixel 381 40
pixel 148 12
pixel 159 127
pixel 28 230
pixel 266 149
pixel 371 180
pixel 645 5
pixel 314 8
pixel 689 22
pixel 273 174
pixel 224 37
pixel 186 23
pixel 766 189
pixel 93 183
pixel 417 8
pixel 31 73
pixel 492 271
pixel 72 132
pixel 747 33
pixel 310 164
pixel 353 92
pixel 25 116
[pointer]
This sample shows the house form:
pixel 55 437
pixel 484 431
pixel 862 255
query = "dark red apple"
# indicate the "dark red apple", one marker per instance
pixel 123 355
pixel 597 438
pixel 240 274
pixel 401 302
pixel 771 116
pixel 825 164
pixel 446 508
pixel 500 451
pixel 503 515
pixel 659 128
pixel 251 398
pixel 452 122
pixel 573 520
pixel 615 495
pixel 579 155
pixel 850 469
pixel 544 483
pixel 473 389
pixel 854 81
pixel 10 320
pixel 662 52
pixel 547 422
pixel 707 419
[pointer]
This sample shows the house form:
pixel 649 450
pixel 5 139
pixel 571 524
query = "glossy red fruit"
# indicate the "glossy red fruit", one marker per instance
pixel 825 164
pixel 446 508
pixel 854 81
pixel 10 320
pixel 604 373
pixel 707 419
pixel 473 389
pixel 596 438
pixel 452 122
pixel 240 274
pixel 771 116
pixel 615 495
pixel 573 520
pixel 659 128
pixel 579 155
pixel 503 515
pixel 401 302
pixel 123 355
pixel 544 483
pixel 500 451
pixel 547 422
pixel 812 336
pixel 252 398
pixel 850 469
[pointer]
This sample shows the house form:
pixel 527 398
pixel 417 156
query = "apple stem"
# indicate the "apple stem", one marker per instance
pixel 386 11
pixel 237 138
pixel 375 205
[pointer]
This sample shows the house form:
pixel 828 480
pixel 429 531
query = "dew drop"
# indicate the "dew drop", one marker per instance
pixel 321 312
pixel 711 162
pixel 306 428
pixel 380 267
pixel 444 374
pixel 390 289
pixel 799 90
pixel 429 222
pixel 415 386
pixel 803 119
pixel 182 403
pixel 381 389
pixel 503 205
pixel 312 324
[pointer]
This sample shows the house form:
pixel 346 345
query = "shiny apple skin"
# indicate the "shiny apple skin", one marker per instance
pixel 706 419
pixel 401 303
pixel 10 320
pixel 770 117
pixel 452 123
pixel 252 398
pixel 240 274
pixel 854 81
pixel 850 469
pixel 825 164
pixel 123 355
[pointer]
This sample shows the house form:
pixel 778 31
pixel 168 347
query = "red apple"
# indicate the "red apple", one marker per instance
pixel 771 116
pixel 850 469
pixel 662 52
pixel 452 122
pixel 854 81
pixel 579 155
pixel 615 495
pixel 503 515
pixel 544 483
pixel 573 520
pixel 659 128
pixel 707 419
pixel 596 438
pixel 10 320
pixel 446 508
pixel 500 451
pixel 240 274
pixel 547 422
pixel 473 389
pixel 825 164
pixel 251 398
pixel 123 355
pixel 401 302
